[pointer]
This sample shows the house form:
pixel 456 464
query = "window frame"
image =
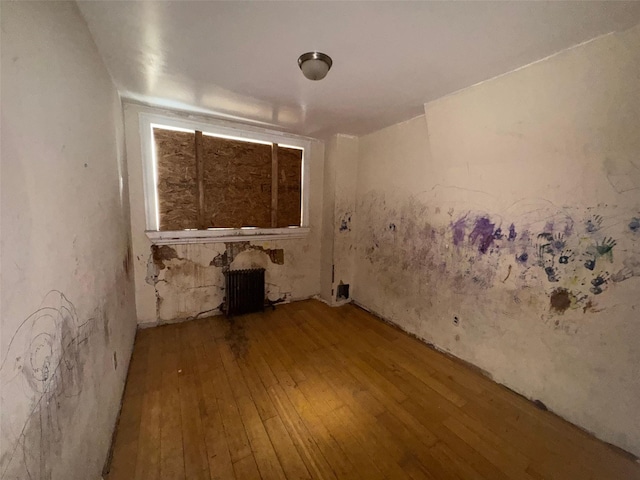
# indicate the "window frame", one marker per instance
pixel 222 128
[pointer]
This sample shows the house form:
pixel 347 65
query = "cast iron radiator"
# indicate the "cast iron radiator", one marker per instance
pixel 244 291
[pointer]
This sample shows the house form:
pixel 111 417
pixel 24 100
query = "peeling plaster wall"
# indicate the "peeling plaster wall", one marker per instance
pixel 341 171
pixel 178 282
pixel 503 226
pixel 67 319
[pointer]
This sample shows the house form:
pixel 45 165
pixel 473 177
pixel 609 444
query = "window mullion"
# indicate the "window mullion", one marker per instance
pixel 200 180
pixel 274 185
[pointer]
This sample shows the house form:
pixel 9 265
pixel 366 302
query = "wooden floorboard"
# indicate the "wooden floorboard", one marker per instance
pixel 313 392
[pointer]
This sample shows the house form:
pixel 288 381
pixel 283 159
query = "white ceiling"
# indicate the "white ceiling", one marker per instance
pixel 238 59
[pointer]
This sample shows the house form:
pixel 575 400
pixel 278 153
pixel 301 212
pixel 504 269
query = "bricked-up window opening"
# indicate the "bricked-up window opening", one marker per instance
pixel 206 181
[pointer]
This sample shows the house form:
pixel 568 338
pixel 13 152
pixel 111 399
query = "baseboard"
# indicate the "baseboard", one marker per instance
pixel 213 313
pixel 107 462
pixel 333 305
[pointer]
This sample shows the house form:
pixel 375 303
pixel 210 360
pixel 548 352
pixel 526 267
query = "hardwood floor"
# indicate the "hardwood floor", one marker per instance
pixel 307 391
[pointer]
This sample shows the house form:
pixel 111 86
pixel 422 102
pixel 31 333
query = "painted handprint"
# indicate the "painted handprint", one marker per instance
pixel 593 223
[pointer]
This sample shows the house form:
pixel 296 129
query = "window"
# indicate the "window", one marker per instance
pixel 216 182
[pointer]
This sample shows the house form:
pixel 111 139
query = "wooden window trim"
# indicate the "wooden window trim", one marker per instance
pixel 274 185
pixel 223 235
pixel 200 179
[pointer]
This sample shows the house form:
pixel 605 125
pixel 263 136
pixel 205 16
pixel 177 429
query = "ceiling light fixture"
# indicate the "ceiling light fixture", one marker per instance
pixel 315 65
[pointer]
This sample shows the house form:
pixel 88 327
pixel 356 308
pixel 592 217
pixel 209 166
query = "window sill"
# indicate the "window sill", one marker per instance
pixel 177 237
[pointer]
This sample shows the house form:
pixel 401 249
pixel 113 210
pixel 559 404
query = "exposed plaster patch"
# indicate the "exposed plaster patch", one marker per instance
pixel 189 283
pixel 220 260
pixel 162 253
pixel 233 249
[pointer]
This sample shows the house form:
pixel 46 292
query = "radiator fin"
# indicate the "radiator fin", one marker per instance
pixel 244 291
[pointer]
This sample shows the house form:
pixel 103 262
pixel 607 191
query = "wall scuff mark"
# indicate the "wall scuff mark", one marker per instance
pixel 569 267
pixel 162 253
pixel 345 223
pixel 45 362
pixel 127 262
pixel 483 233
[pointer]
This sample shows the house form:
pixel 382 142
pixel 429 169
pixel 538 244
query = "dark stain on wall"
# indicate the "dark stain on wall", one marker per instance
pixel 458 228
pixel 508 274
pixel 560 300
pixel 276 255
pixel 590 307
pixel 484 234
pixel 345 223
pixel 162 253
pixel 127 262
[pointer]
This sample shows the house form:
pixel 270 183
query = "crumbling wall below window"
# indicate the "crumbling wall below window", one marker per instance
pixel 188 280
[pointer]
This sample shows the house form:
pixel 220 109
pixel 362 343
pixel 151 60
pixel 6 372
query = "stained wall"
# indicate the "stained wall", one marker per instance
pixel 503 226
pixel 178 282
pixel 67 319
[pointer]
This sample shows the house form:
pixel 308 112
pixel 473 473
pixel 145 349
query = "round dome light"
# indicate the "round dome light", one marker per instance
pixel 315 65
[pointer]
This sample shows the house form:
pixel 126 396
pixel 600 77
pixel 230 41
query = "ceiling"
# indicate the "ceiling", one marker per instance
pixel 238 60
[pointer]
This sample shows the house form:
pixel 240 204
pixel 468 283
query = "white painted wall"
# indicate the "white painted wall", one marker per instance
pixel 67 317
pixel 328 219
pixel 341 172
pixel 192 283
pixel 552 149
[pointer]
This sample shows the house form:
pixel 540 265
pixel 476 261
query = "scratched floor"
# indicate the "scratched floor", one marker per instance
pixel 307 391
